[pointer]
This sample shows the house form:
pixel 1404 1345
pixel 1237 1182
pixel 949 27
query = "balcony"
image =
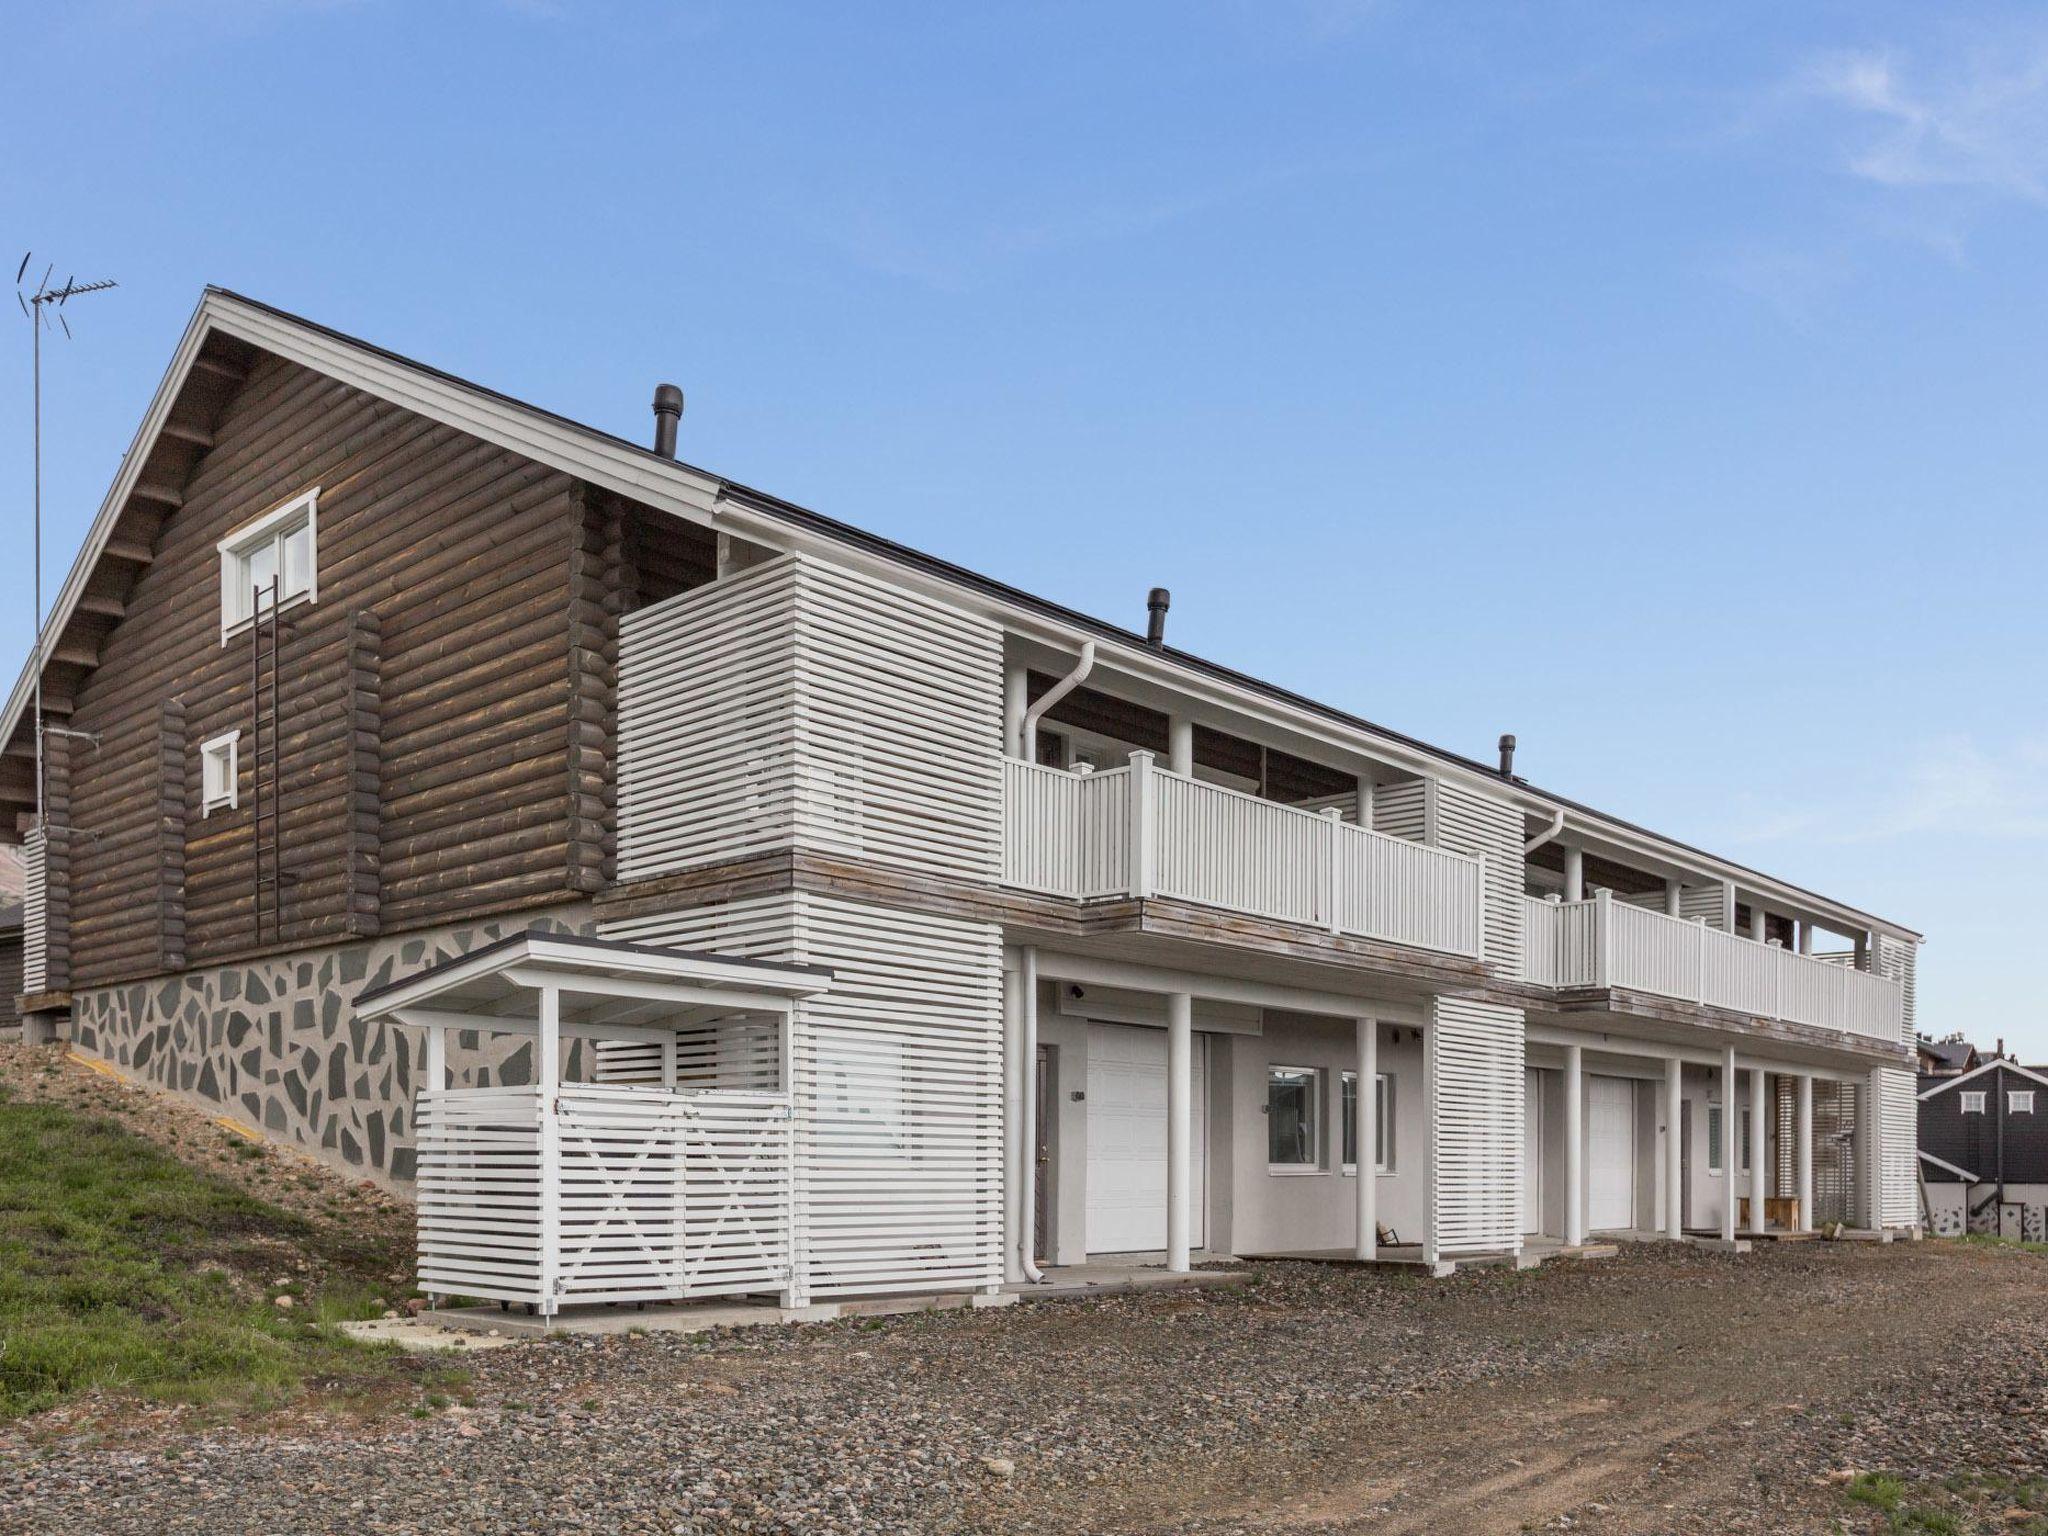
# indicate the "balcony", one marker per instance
pixel 1141 831
pixel 1606 943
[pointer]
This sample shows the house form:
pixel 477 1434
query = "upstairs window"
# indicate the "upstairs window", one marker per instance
pixel 2019 1101
pixel 1973 1103
pixel 278 546
pixel 219 778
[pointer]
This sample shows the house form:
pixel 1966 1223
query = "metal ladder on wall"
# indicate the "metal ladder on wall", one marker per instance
pixel 267 876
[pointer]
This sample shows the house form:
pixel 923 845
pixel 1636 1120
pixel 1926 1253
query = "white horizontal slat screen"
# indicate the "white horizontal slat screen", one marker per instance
pixel 1483 827
pixel 1704 902
pixel 1476 1125
pixel 35 934
pixel 799 704
pixel 739 1054
pixel 1896 960
pixel 477 1192
pixel 1898 1131
pixel 1402 810
pixel 898 1085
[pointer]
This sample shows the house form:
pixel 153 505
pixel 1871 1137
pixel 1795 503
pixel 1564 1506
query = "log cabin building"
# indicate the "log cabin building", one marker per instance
pixel 583 843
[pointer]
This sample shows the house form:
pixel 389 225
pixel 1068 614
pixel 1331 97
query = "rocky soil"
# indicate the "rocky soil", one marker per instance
pixel 1665 1390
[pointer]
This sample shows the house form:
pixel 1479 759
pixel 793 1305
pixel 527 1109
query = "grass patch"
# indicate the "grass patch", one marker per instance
pixel 1993 1240
pixel 1975 1502
pixel 121 1269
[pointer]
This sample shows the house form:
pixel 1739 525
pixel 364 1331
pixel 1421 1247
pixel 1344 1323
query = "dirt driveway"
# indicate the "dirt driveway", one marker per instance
pixel 1665 1390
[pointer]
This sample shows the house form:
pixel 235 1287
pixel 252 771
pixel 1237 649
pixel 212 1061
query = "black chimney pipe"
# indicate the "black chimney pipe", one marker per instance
pixel 668 412
pixel 1156 604
pixel 1507 757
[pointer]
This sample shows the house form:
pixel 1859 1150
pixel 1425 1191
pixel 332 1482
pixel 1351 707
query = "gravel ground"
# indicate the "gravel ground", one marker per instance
pixel 1665 1390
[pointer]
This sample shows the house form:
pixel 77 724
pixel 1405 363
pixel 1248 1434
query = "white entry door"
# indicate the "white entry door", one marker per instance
pixel 1127 1140
pixel 1532 1152
pixel 1610 1153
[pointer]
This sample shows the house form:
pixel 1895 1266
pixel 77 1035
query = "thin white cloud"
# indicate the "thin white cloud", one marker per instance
pixel 1979 124
pixel 1950 786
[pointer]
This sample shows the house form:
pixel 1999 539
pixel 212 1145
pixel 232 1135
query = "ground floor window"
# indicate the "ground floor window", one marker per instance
pixel 1716 1154
pixel 1383 1123
pixel 1293 1129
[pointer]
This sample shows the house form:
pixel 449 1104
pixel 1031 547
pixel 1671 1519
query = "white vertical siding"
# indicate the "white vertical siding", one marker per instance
pixel 802 705
pixel 1476 1125
pixel 898 1085
pixel 35 934
pixel 1480 826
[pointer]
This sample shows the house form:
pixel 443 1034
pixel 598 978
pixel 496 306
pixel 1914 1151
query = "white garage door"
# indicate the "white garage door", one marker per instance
pixel 1127 1140
pixel 1610 1153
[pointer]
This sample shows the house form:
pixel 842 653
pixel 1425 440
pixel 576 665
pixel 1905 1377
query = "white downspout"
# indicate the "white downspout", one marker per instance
pixel 1053 695
pixel 1027 984
pixel 1556 826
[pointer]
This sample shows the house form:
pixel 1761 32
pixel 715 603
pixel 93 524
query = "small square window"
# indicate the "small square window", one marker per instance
pixel 1383 1123
pixel 276 554
pixel 2019 1101
pixel 1293 1117
pixel 219 778
pixel 1973 1103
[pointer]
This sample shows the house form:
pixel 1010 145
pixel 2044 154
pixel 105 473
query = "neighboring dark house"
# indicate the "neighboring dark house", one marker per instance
pixel 10 963
pixel 1949 1056
pixel 1984 1151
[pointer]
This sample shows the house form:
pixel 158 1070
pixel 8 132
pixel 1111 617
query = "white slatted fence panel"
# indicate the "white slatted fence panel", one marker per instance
pixel 477 1192
pixel 1898 1127
pixel 1223 848
pixel 1483 827
pixel 1066 833
pixel 35 914
pixel 1476 1125
pixel 1409 893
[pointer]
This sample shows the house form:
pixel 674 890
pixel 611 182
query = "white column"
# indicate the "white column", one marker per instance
pixel 1759 1149
pixel 1180 1041
pixel 1806 937
pixel 1574 1146
pixel 1757 921
pixel 1180 745
pixel 435 1075
pixel 547 1072
pixel 1674 1150
pixel 1674 897
pixel 1731 1144
pixel 668 1062
pixel 1574 874
pixel 1367 1194
pixel 1015 693
pixel 1804 1154
pixel 1027 1113
pixel 1430 1250
pixel 1365 802
pixel 1015 1147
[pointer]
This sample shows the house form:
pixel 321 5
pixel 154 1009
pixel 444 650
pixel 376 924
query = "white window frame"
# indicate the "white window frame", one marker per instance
pixel 1318 1159
pixel 2019 1101
pixel 1973 1100
pixel 1382 1123
pixel 273 527
pixel 229 796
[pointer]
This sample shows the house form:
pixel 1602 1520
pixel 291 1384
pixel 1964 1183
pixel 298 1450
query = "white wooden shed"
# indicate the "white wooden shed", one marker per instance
pixel 668 1174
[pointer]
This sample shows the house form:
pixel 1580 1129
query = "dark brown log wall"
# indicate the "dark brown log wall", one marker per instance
pixel 428 702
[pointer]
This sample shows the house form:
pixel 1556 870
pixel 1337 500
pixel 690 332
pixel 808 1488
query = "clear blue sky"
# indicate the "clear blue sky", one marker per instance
pixel 1663 383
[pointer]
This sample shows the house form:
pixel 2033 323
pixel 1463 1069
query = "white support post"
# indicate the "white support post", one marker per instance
pixel 1804 1154
pixel 1674 898
pixel 1574 874
pixel 1027 1114
pixel 1603 937
pixel 1674 1150
pixel 547 1076
pixel 1806 936
pixel 1333 877
pixel 1759 921
pixel 1727 924
pixel 1016 691
pixel 1430 1250
pixel 1144 824
pixel 435 1077
pixel 1574 1146
pixel 668 1063
pixel 1759 1149
pixel 1731 1144
pixel 1180 745
pixel 1367 1122
pixel 1180 1050
pixel 1364 798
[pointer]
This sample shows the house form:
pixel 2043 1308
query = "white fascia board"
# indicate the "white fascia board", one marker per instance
pixel 1990 1066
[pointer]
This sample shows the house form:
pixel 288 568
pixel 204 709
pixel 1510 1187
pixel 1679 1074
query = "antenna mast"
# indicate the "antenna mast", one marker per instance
pixel 39 306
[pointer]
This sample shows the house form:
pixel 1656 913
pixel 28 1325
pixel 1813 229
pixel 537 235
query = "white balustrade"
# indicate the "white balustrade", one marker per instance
pixel 1607 943
pixel 1142 831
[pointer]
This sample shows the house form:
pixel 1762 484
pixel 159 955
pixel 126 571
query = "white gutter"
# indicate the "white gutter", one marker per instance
pixel 1053 695
pixel 1556 826
pixel 1027 1217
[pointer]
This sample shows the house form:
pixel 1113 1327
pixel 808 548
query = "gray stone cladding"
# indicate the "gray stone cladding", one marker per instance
pixel 275 1042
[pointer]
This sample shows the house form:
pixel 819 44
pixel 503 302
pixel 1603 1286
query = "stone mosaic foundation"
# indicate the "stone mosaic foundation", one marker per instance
pixel 275 1042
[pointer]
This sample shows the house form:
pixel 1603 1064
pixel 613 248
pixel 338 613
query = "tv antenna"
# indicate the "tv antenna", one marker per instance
pixel 40 305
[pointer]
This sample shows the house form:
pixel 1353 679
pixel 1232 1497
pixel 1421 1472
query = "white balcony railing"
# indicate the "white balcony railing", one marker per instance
pixel 1143 831
pixel 1606 943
